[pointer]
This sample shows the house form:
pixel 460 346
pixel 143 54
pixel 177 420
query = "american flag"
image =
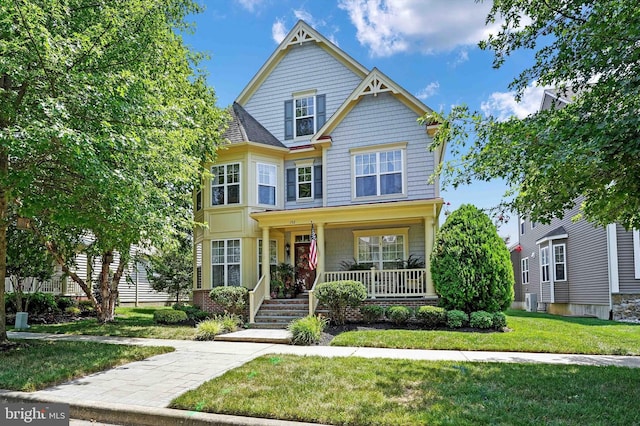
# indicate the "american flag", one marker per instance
pixel 313 250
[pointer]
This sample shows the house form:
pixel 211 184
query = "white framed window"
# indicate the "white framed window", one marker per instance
pixel 225 263
pixel 273 255
pixel 199 265
pixel 267 184
pixel 225 184
pixel 199 200
pixel 304 183
pixel 524 267
pixel 384 249
pixel 379 173
pixel 544 264
pixel 533 224
pixel 305 111
pixel 522 227
pixel 559 262
pixel 636 253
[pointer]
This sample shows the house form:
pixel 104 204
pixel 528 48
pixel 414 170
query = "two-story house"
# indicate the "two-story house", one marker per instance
pixel 316 139
pixel 574 267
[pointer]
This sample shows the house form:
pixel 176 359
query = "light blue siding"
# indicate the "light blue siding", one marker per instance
pixel 316 202
pixel 305 67
pixel 373 121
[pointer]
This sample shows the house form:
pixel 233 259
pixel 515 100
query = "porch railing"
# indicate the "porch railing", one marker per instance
pixel 379 283
pixel 386 282
pixel 256 297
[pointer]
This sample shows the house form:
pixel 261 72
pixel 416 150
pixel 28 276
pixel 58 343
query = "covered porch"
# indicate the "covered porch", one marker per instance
pixel 383 234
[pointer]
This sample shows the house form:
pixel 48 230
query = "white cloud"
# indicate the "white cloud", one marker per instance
pixel 308 18
pixel 250 5
pixel 503 105
pixel 387 27
pixel 430 90
pixel 278 31
pixel 463 56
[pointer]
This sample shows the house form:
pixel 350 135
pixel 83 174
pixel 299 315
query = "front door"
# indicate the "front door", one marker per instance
pixel 303 272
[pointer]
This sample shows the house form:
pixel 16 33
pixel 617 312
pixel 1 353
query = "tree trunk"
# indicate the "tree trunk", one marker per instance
pixel 109 286
pixel 4 219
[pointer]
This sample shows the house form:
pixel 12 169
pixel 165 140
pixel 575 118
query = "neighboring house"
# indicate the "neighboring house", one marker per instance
pixel 316 138
pixel 575 268
pixel 134 288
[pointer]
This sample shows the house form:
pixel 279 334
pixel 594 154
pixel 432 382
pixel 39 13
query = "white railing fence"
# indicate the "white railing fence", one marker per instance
pixel 256 297
pixel 386 282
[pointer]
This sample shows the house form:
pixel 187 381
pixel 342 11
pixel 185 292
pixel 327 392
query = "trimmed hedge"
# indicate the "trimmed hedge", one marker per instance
pixel 169 316
pixel 481 319
pixel 372 313
pixel 431 316
pixel 232 299
pixel 338 295
pixel 399 314
pixel 457 319
pixel 499 320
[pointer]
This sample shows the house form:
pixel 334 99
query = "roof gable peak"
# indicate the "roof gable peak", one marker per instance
pixel 301 33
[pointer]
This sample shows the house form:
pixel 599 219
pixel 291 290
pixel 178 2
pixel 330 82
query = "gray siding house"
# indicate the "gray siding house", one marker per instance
pixel 316 139
pixel 576 268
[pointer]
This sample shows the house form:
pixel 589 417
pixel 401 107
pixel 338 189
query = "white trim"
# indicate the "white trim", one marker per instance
pixel 226 184
pixel 564 263
pixel 310 182
pixel 552 282
pixel 636 253
pixel 612 258
pixel 225 264
pixel 551 238
pixel 378 174
pixel 273 185
pixel 523 270
pixel 522 227
pixel 548 264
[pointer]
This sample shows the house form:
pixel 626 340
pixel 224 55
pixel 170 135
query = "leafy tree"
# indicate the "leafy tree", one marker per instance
pixel 470 263
pixel 171 270
pixel 27 259
pixel 104 124
pixel 589 150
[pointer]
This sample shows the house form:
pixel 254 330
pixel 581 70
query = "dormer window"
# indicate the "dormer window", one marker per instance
pixel 304 114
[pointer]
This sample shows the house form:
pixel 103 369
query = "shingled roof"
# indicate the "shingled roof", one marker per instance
pixel 245 128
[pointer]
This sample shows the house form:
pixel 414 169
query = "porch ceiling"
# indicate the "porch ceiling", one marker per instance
pixel 392 212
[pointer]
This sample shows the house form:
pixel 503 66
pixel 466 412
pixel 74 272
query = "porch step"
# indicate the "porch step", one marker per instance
pixel 256 336
pixel 278 313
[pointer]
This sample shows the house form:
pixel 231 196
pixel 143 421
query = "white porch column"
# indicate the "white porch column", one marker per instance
pixel 552 272
pixel 320 247
pixel 266 262
pixel 429 239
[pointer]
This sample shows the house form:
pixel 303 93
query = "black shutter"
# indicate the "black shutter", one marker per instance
pixel 291 184
pixel 321 111
pixel 317 182
pixel 288 119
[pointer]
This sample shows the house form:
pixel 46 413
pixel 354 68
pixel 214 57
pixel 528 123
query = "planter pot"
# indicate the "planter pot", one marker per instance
pixel 21 321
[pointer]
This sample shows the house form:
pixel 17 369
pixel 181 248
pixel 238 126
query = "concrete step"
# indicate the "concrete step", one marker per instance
pixel 269 325
pixel 284 312
pixel 256 335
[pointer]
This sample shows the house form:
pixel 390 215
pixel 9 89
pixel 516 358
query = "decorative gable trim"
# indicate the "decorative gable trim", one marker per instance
pixel 300 34
pixel 374 83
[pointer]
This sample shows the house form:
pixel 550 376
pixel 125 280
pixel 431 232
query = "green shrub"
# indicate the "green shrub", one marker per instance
pixel 72 310
pixel 10 303
pixel 207 330
pixel 431 316
pixel 86 306
pixel 499 320
pixel 169 316
pixel 65 302
pixel 457 318
pixel 372 313
pixel 481 319
pixel 39 303
pixel 193 312
pixel 232 299
pixel 399 314
pixel 470 263
pixel 307 330
pixel 338 295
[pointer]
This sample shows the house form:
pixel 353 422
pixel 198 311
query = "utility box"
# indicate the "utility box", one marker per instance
pixel 530 302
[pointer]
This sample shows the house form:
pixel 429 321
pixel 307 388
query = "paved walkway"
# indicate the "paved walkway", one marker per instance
pixel 155 381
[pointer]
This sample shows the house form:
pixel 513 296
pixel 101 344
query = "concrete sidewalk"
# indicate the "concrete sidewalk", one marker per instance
pixel 149 385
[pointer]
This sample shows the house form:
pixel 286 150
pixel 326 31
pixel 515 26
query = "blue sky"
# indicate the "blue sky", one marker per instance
pixel 429 47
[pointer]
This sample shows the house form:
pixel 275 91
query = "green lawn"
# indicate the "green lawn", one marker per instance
pixel 130 322
pixel 39 364
pixel 532 332
pixel 356 391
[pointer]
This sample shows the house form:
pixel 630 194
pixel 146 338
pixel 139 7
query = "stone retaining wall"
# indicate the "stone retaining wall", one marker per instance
pixel 626 307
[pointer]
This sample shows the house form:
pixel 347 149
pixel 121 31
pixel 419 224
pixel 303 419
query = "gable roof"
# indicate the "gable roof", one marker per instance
pixel 299 34
pixel 556 234
pixel 244 128
pixel 374 83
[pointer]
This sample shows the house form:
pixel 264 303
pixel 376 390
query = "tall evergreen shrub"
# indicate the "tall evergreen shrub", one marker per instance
pixel 470 263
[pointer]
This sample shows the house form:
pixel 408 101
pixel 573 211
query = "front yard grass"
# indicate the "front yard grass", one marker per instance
pixel 356 391
pixel 531 332
pixel 37 364
pixel 130 322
